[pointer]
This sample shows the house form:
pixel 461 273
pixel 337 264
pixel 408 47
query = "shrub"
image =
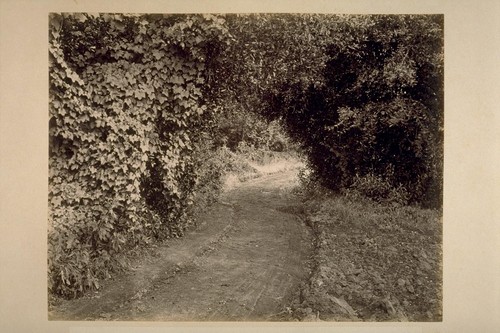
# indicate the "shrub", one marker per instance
pixel 377 189
pixel 378 106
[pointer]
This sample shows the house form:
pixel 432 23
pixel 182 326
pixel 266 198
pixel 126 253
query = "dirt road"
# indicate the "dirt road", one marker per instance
pixel 244 262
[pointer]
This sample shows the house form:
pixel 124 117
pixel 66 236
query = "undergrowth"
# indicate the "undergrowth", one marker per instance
pixel 374 260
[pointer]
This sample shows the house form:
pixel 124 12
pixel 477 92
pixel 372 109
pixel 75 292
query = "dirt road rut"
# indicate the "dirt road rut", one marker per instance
pixel 244 262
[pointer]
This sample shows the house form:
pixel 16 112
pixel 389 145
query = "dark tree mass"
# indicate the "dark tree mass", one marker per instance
pixel 363 95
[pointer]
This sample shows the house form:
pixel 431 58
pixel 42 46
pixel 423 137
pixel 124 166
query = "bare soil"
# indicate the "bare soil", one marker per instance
pixel 245 261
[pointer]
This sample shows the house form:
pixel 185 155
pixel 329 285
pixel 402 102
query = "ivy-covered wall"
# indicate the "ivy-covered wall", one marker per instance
pixel 127 102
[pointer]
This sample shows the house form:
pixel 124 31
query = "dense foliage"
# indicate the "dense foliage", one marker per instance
pixel 376 114
pixel 127 108
pixel 363 95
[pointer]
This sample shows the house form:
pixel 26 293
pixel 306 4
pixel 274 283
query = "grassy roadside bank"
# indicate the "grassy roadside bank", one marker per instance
pixel 373 262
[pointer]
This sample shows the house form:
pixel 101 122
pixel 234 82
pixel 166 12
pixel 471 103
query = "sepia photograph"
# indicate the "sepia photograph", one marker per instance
pixel 253 166
pixel 245 167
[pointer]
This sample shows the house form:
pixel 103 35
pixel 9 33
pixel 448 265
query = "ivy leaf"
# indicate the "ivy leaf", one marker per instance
pixel 139 94
pixel 177 79
pixel 158 54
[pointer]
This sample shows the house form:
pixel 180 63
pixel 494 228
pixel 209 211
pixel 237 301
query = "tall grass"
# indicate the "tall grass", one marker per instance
pixel 374 260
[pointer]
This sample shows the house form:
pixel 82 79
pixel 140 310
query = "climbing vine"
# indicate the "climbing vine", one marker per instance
pixel 127 102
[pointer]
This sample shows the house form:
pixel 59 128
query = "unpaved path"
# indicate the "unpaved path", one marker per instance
pixel 244 262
